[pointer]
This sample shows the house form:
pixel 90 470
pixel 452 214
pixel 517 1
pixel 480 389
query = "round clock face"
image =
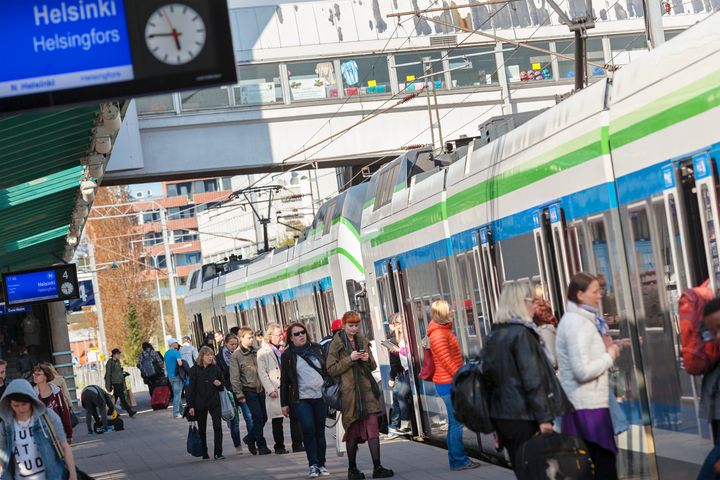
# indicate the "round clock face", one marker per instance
pixel 175 34
pixel 67 288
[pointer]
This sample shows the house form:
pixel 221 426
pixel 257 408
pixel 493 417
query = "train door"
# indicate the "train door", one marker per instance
pixel 551 246
pixel 486 276
pixel 399 302
pixel 323 318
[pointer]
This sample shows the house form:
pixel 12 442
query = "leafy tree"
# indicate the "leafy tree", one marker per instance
pixel 135 337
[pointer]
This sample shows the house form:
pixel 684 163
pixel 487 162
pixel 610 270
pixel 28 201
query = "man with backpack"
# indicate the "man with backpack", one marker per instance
pixel 151 366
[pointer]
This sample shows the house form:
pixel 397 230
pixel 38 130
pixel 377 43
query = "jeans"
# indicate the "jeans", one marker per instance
pixel 456 449
pixel 234 426
pixel 247 416
pixel 400 406
pixel 707 472
pixel 311 413
pixel 177 384
pixel 201 417
pixel 256 404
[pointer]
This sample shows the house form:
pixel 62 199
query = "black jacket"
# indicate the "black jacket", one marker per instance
pixel 289 392
pixel 201 393
pixel 396 367
pixel 522 383
pixel 224 370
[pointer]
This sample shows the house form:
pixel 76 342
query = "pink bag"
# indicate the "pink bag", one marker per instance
pixel 427 369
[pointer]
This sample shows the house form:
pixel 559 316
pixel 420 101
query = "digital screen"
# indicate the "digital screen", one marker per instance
pixel 31 287
pixel 51 45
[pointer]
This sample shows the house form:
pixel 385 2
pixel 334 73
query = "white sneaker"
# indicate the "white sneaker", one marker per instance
pixel 178 416
pixel 314 472
pixel 324 472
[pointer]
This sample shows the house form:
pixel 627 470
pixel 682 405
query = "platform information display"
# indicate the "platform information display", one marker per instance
pixel 65 51
pixel 54 45
pixel 40 286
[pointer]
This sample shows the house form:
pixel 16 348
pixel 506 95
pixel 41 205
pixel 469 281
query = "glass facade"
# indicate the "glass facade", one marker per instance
pixel 203 99
pixel 481 71
pixel 409 67
pixel 594 54
pixel 258 85
pixel 155 104
pixel 312 80
pixel 524 64
pixel 365 76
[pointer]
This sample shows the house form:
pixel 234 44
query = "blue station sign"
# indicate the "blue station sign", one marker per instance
pixel 66 51
pixel 45 285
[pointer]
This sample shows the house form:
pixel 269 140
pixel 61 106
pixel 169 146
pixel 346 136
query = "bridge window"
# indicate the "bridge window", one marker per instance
pixel 258 84
pixel 626 48
pixel 481 71
pixel 594 54
pixel 409 69
pixel 206 98
pixel 365 76
pixel 312 80
pixel 523 64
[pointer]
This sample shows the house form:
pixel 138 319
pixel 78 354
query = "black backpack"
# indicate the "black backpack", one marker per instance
pixel 552 455
pixel 470 396
pixel 146 364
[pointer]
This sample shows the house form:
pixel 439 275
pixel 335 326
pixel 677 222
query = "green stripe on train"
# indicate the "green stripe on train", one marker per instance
pixel 312 264
pixel 566 156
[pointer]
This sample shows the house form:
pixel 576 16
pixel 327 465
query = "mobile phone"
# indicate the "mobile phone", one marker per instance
pixel 361 351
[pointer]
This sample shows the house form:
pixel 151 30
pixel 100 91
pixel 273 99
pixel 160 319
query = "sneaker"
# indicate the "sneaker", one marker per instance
pixel 206 457
pixel 220 457
pixel 314 472
pixel 468 466
pixel 298 449
pixel 239 449
pixel 382 472
pixel 392 436
pixel 264 451
pixel 324 471
pixel 355 474
pixel 280 451
pixel 178 416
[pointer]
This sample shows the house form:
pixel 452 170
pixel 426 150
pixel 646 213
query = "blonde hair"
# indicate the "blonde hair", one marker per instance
pixel 201 356
pixel 244 331
pixel 440 312
pixel 397 318
pixel 511 304
pixel 270 329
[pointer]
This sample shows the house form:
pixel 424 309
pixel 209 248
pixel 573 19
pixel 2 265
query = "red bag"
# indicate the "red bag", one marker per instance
pixel 427 369
pixel 700 351
pixel 160 397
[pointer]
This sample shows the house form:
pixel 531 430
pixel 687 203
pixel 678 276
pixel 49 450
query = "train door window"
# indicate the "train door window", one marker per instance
pixel 575 239
pixel 468 295
pixel 646 267
pixel 330 299
pixel 237 315
pixel 444 280
pixel 706 205
pixel 669 271
pixel 419 310
pixel 675 234
pixel 327 225
pixel 225 328
pixel 603 268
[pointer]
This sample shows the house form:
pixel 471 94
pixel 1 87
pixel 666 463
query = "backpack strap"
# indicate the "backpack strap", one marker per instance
pixel 53 436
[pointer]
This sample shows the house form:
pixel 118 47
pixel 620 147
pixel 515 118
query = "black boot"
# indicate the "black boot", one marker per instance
pixel 382 472
pixel 355 474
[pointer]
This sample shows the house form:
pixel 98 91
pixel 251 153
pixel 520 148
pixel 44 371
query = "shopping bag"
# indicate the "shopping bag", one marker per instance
pixel 131 398
pixel 227 410
pixel 194 443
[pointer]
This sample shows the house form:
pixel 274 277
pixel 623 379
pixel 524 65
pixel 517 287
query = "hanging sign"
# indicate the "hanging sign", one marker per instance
pixel 43 285
pixel 71 51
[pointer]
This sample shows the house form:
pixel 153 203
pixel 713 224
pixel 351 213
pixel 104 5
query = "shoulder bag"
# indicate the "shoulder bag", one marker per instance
pixel 58 448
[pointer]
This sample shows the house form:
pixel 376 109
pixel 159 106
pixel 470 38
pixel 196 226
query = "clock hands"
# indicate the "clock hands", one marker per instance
pixel 174 32
pixel 171 34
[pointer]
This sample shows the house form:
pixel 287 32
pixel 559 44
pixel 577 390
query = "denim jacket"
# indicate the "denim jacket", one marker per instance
pixel 54 466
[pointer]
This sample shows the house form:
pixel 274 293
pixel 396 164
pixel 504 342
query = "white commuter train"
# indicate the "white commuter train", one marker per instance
pixel 620 180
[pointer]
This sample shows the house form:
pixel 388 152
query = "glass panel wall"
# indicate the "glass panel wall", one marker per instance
pixel 155 104
pixel 312 80
pixel 481 71
pixel 409 67
pixel 594 54
pixel 365 75
pixel 207 98
pixel 258 84
pixel 524 64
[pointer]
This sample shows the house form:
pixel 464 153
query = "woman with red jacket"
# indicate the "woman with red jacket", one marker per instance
pixel 448 360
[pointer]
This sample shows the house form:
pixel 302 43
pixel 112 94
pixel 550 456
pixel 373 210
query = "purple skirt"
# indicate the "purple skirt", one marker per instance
pixel 593 425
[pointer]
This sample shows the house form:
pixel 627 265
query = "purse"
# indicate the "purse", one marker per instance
pixel 194 443
pixel 427 369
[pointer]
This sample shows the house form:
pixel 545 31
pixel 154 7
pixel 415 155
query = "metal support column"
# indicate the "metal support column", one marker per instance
pixel 170 271
pixel 62 354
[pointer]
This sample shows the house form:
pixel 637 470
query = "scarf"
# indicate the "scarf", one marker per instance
pixel 226 355
pixel 600 322
pixel 534 328
pixel 311 356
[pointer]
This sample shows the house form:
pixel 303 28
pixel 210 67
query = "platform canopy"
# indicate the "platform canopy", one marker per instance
pixel 41 155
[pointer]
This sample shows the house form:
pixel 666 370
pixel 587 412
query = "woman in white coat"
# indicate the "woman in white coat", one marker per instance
pixel 268 359
pixel 583 364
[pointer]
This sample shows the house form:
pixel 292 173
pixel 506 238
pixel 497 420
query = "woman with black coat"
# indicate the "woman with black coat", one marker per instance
pixel 203 397
pixel 525 394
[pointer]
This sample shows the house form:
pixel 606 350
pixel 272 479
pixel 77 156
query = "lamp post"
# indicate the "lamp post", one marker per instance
pixel 170 270
pixel 98 304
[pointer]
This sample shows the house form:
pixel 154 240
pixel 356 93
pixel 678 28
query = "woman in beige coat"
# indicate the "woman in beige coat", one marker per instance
pixel 269 373
pixel 350 362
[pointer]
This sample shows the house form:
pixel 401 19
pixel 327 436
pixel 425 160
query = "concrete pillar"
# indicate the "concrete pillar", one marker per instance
pixel 60 340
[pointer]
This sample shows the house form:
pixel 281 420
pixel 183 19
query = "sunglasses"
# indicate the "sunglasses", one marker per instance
pixel 297 334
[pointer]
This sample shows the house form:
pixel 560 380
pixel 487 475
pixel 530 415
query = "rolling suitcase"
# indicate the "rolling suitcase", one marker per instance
pixel 554 456
pixel 160 397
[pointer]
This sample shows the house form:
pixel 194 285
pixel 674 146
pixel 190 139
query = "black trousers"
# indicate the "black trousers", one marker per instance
pixel 513 433
pixel 119 391
pixel 201 417
pixel 279 434
pixel 604 460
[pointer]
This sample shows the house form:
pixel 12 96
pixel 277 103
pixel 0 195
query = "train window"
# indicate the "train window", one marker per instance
pixel 444 279
pixel 603 269
pixel 670 272
pixel 468 294
pixel 333 313
pixel 578 232
pixel 386 187
pixel 646 267
pixel 672 214
pixel 194 279
pixel 573 246
pixel 524 263
pixel 327 225
pixel 420 317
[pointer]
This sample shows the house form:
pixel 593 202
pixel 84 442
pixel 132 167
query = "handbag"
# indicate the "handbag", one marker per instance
pixel 227 411
pixel 74 420
pixel 332 395
pixel 194 443
pixel 427 369
pixel 59 451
